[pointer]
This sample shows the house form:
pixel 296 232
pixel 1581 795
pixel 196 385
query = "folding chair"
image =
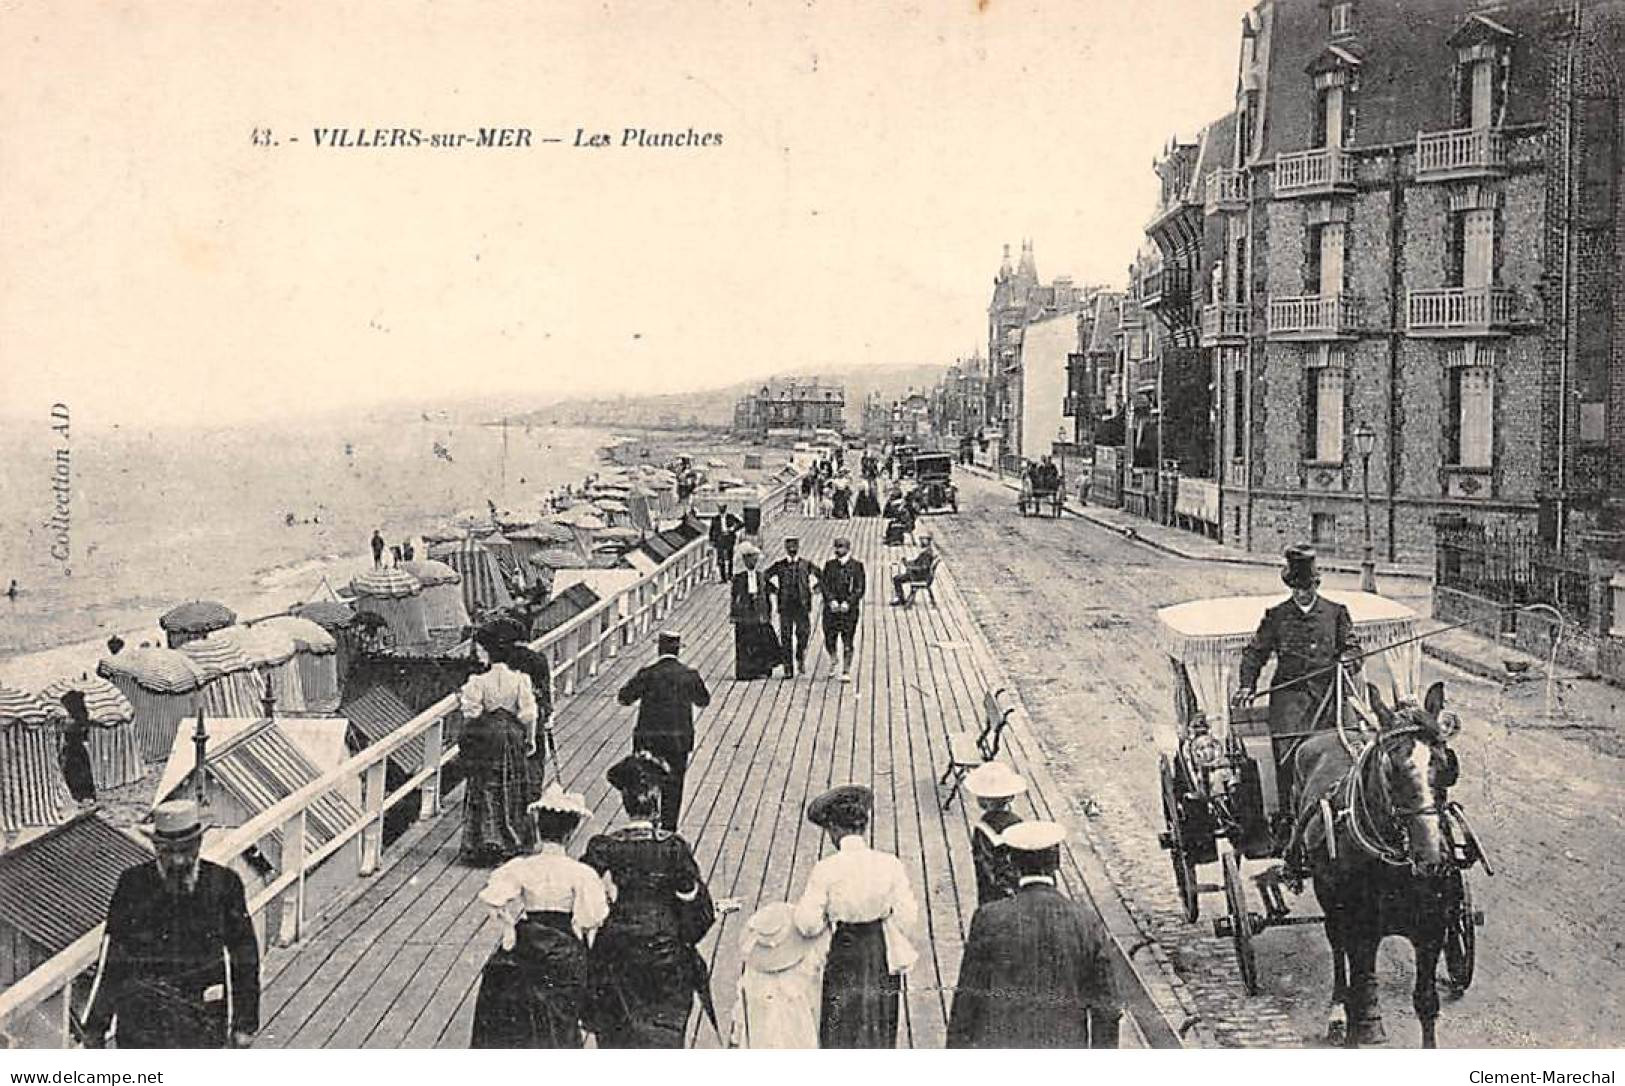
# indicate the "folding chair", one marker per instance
pixel 966 754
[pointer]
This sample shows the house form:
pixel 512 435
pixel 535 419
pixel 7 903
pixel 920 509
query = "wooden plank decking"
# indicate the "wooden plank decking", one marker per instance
pixel 399 965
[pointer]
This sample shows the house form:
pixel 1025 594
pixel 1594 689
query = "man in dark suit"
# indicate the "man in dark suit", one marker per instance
pixel 180 967
pixel 842 583
pixel 792 578
pixel 1307 634
pixel 667 692
pixel 724 534
pixel 1035 972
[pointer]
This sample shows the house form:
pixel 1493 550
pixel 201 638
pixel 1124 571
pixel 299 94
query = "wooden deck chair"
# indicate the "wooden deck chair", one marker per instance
pixel 925 582
pixel 966 754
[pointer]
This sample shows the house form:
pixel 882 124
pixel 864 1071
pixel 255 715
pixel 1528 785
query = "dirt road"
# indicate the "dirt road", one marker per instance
pixel 1068 607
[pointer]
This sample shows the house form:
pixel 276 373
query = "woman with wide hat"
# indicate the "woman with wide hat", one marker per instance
pixel 995 785
pixel 534 986
pixel 644 966
pixel 499 734
pixel 862 898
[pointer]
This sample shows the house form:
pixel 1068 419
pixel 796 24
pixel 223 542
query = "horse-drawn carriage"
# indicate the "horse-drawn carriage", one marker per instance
pixel 1040 493
pixel 1222 802
pixel 933 482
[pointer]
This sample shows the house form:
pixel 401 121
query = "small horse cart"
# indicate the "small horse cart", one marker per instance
pixel 1039 496
pixel 1222 804
pixel 933 482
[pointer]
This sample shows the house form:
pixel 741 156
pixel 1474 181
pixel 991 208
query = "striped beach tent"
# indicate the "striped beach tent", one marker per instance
pixel 273 652
pixel 231 686
pixel 32 791
pixel 193 619
pixel 395 596
pixel 338 618
pixel 443 607
pixel 115 752
pixel 483 587
pixel 316 657
pixel 162 686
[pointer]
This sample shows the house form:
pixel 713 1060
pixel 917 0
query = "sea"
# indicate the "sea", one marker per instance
pixel 255 516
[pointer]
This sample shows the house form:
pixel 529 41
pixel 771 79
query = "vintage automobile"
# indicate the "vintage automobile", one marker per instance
pixel 933 482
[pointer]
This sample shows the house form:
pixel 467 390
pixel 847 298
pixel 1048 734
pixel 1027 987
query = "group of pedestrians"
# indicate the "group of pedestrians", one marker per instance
pixel 788 586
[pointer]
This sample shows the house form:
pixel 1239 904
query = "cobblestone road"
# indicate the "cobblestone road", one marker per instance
pixel 1069 609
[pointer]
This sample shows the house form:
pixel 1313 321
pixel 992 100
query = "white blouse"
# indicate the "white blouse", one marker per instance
pixel 501 687
pixel 857 885
pixel 549 881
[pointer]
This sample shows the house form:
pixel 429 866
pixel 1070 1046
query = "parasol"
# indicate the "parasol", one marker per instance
pixel 217 654
pixel 306 633
pixel 328 614
pixel 105 704
pixel 28 708
pixel 430 572
pixel 197 616
pixel 263 645
pixel 386 583
pixel 160 670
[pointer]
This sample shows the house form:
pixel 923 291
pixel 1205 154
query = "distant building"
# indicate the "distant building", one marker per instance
pixel 1093 391
pixel 1019 299
pixel 791 404
pixel 959 400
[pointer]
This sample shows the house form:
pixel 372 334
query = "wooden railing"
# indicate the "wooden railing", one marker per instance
pixel 1222 321
pixel 1300 173
pixel 1312 316
pixel 1458 310
pixel 1227 189
pixel 1459 152
pixel 575 651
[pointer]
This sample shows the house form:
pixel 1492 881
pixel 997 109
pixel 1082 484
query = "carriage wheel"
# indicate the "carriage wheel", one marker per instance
pixel 1461 941
pixel 1184 868
pixel 1241 922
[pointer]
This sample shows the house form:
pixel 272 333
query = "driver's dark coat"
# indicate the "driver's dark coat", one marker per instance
pixel 1302 642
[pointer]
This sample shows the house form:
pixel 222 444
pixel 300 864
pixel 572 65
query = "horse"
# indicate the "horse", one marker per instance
pixel 1370 822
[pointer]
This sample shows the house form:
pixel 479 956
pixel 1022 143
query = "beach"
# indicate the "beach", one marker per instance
pixel 156 517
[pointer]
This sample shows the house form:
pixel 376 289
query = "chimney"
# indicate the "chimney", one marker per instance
pixel 200 743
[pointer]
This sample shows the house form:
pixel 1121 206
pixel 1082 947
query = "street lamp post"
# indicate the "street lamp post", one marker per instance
pixel 1365 443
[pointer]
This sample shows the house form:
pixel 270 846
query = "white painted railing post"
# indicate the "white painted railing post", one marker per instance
pixel 434 741
pixel 293 858
pixel 372 804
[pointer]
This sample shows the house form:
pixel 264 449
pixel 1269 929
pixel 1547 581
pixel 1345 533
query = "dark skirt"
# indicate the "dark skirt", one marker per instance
pixel 644 979
pixel 76 771
pixel 501 785
pixel 861 999
pixel 532 996
pixel 756 651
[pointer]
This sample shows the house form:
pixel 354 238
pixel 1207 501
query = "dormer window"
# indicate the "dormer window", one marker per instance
pixel 1483 57
pixel 1336 75
pixel 1342 19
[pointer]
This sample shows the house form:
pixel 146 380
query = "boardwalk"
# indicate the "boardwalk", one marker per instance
pixel 399 965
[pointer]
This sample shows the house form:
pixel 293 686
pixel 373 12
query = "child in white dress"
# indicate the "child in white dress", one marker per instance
pixel 781 985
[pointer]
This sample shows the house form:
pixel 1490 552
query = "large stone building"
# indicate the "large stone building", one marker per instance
pixel 1411 224
pixel 959 400
pixel 802 404
pixel 1019 300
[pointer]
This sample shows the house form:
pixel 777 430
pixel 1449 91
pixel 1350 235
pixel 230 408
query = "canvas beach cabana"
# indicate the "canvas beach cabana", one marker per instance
pixel 273 652
pixel 338 619
pixel 163 687
pixel 231 686
pixel 316 658
pixel 443 607
pixel 194 619
pixel 32 791
pixel 115 752
pixel 483 587
pixel 395 596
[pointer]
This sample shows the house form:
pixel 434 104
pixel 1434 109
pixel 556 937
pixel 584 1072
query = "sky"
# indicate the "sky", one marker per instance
pixel 160 268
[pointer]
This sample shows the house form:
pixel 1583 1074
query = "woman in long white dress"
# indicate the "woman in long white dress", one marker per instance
pixel 499 735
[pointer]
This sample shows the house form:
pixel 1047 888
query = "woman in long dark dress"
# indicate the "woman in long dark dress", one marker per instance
pixel 862 897
pixel 750 609
pixel 533 989
pixel 644 966
pixel 74 757
pixel 499 734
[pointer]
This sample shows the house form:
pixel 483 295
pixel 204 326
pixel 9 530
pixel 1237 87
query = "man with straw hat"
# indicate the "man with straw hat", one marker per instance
pixel 1035 972
pixel 994 785
pixel 779 985
pixel 180 966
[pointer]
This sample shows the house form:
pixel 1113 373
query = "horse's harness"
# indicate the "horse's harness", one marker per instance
pixel 1354 809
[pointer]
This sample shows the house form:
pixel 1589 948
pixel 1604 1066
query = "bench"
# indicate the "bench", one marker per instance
pixel 966 753
pixel 917 581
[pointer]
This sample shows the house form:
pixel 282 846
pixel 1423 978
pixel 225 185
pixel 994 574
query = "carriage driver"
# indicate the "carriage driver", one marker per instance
pixel 1306 634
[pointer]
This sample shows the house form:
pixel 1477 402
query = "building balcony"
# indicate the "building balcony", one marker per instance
pixel 1227 189
pixel 1132 316
pixel 1165 288
pixel 1459 311
pixel 1224 323
pixel 1313 316
pixel 1320 172
pixel 1460 153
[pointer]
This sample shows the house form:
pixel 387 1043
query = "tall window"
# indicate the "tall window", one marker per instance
pixel 1480 92
pixel 1238 406
pixel 1323 406
pixel 1470 406
pixel 1342 18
